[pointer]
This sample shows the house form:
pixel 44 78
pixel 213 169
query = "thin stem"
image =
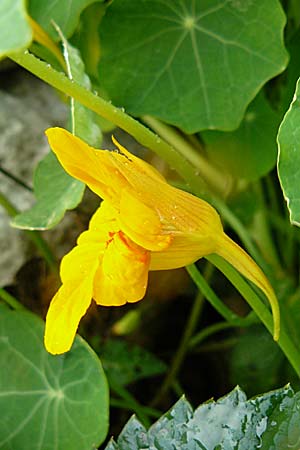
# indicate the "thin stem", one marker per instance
pixel 288 347
pixel 10 299
pixel 35 236
pixel 283 226
pixel 215 328
pixel 15 179
pixel 209 173
pixel 9 208
pixel 262 232
pixel 217 346
pixel 214 300
pixel 123 404
pixel 184 343
pixel 141 411
pixel 240 230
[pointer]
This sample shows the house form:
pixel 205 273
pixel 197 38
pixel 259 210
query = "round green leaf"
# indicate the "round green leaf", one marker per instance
pixel 65 13
pixel 15 32
pixel 250 151
pixel 55 191
pixel 48 402
pixel 289 157
pixel 193 64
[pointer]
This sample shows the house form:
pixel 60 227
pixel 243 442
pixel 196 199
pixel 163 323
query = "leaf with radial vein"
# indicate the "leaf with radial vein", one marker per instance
pixel 15 31
pixel 289 157
pixel 193 64
pixel 48 402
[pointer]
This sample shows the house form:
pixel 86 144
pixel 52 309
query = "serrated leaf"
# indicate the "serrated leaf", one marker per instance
pixel 55 190
pixel 15 31
pixel 289 157
pixel 124 363
pixel 134 436
pixel 48 401
pixel 266 422
pixel 250 151
pixel 64 13
pixel 196 65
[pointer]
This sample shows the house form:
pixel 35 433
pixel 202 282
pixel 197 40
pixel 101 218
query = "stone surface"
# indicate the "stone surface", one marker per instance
pixel 27 107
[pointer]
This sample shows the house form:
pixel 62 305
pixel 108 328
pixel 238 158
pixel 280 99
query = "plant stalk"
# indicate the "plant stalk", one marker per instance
pixel 35 236
pixel 184 342
pixel 285 343
pixel 10 299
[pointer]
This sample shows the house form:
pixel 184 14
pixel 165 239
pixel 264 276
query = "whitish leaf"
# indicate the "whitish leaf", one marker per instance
pixel 269 422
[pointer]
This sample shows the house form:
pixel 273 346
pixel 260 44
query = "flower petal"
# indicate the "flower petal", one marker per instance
pixel 139 165
pixel 183 250
pixel 105 172
pixel 72 300
pixel 123 274
pixel 142 223
pixel 93 167
pixel 239 259
pixel 102 224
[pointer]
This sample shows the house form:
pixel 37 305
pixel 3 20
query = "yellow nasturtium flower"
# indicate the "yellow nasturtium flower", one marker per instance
pixel 142 224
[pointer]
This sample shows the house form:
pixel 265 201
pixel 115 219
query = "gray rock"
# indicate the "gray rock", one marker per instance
pixel 27 107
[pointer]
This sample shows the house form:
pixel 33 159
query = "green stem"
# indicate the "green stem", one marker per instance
pixel 9 208
pixel 283 226
pixel 213 329
pixel 184 343
pixel 35 236
pixel 262 234
pixel 15 179
pixel 240 230
pixel 211 347
pixel 141 411
pixel 123 404
pixel 10 299
pixel 204 169
pixel 214 300
pixel 288 347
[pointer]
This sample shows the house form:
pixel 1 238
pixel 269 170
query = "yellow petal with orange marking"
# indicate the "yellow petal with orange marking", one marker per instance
pixel 123 274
